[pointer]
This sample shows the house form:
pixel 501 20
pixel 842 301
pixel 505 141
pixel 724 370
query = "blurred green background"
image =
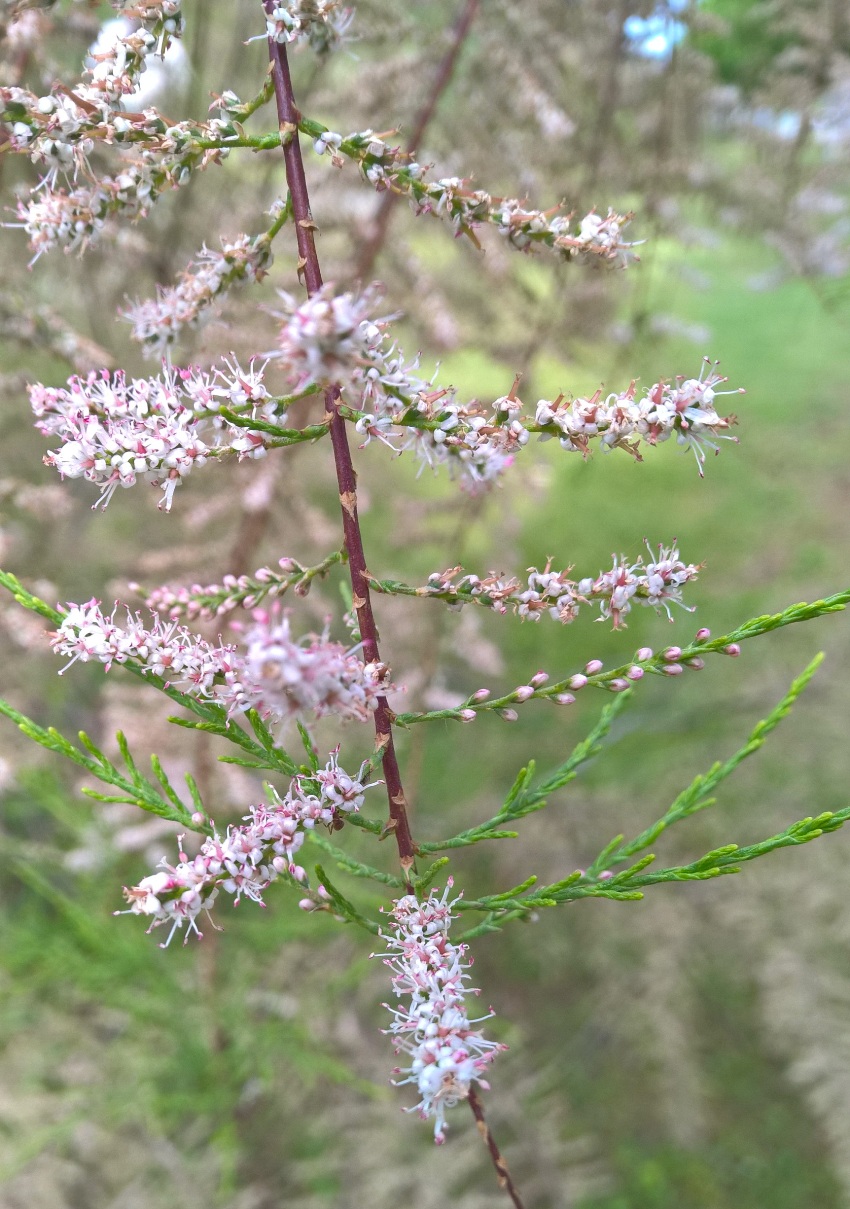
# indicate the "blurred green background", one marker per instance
pixel 691 1050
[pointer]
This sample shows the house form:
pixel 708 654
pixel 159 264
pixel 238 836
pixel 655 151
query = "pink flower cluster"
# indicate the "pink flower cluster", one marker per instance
pixel 235 591
pixel 321 23
pixel 282 677
pixel 247 858
pixel 331 339
pixel 114 431
pixel 158 322
pixel 273 674
pixel 166 649
pixel 447 1053
pixel 657 583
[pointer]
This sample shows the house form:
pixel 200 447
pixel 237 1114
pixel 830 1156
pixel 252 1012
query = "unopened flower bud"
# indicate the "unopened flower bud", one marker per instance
pixel 524 692
pixel 577 681
pixel 643 654
pixel 732 649
pixel 298 872
pixel 322 892
pixel 673 669
pixel 605 875
pixel 279 864
pixel 481 694
pixel 618 685
pixel 696 663
pixel 593 667
pixel 672 654
pixel 635 673
pixel 703 634
pixel 198 818
pixel 307 904
pixel 539 679
pixel 510 715
pixel 467 715
pixel 565 699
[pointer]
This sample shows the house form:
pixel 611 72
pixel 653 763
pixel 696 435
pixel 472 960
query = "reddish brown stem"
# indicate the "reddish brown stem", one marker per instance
pixel 503 1175
pixel 308 265
pixel 371 246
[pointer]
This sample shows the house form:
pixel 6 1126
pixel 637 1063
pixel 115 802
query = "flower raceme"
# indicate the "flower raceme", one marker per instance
pixel 158 322
pixel 447 1053
pixel 656 583
pixel 247 858
pixel 336 340
pixel 115 431
pixel 274 674
pixel 595 236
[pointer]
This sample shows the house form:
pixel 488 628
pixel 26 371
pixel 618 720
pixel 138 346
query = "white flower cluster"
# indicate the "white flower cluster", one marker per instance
pixel 57 218
pixel 158 322
pixel 685 410
pixel 248 858
pixel 163 16
pixel 384 166
pixel 115 431
pixel 273 674
pixel 657 583
pixel 447 1053
pixel 58 132
pixel 321 23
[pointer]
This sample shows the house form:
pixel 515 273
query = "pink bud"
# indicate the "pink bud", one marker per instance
pixel 635 673
pixel 279 863
pixel 307 904
pixel 593 667
pixel 467 715
pixel 286 564
pixel 696 663
pixel 565 699
pixel 605 874
pixel 703 634
pixel 510 715
pixel 577 681
pixel 298 872
pixel 618 685
pixel 732 649
pixel 524 692
pixel 481 694
pixel 672 654
pixel 643 654
pixel 673 669
pixel 539 679
pixel 322 892
pixel 198 819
